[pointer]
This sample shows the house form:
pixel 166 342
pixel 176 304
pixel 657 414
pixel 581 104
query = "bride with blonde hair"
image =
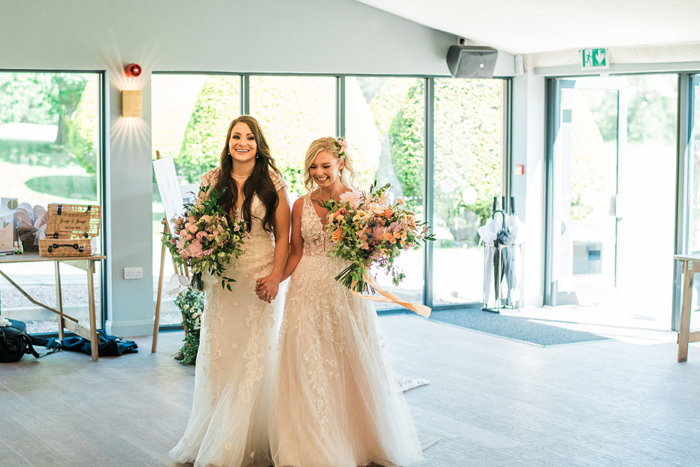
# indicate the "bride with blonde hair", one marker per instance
pixel 335 401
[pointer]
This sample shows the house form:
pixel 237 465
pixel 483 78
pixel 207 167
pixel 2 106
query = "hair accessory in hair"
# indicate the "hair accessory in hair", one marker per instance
pixel 343 147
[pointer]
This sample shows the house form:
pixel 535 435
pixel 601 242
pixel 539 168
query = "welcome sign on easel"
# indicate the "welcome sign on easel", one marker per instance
pixel 173 196
pixel 169 189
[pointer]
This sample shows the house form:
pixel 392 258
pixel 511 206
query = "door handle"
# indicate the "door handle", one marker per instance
pixel 620 205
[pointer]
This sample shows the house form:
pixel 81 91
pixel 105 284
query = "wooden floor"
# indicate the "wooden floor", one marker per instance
pixel 491 401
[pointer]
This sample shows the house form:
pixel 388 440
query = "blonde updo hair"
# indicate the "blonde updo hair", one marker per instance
pixel 338 148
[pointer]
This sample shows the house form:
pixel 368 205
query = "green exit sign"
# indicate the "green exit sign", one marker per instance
pixel 595 58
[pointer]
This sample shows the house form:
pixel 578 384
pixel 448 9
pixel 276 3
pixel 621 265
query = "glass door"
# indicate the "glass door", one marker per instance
pixel 612 197
pixel 587 203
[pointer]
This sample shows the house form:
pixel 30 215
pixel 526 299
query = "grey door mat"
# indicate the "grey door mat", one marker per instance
pixel 512 327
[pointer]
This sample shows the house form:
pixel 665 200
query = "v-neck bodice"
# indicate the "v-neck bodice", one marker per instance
pixel 316 240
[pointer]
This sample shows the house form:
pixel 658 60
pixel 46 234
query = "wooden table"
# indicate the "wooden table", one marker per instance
pixel 691 266
pixel 65 321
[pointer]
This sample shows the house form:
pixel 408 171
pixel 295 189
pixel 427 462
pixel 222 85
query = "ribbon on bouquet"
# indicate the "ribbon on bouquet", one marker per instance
pixel 179 283
pixel 387 297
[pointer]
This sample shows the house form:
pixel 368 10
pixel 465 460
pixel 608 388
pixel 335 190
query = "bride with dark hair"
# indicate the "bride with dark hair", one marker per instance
pixel 238 342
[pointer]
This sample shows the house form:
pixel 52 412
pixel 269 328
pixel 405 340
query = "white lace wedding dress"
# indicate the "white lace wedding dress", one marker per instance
pixel 335 401
pixel 236 361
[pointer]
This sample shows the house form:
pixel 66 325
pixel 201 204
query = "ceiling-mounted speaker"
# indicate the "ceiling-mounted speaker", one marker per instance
pixel 471 61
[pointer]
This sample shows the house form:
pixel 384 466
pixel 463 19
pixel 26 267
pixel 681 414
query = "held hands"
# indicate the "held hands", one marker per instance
pixel 267 288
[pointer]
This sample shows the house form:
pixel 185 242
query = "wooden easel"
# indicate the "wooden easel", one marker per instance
pixel 178 270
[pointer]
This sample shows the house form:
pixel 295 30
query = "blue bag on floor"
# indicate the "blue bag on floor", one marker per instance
pixel 109 346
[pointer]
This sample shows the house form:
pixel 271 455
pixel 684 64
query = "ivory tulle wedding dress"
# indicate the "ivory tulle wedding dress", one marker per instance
pixel 335 401
pixel 236 360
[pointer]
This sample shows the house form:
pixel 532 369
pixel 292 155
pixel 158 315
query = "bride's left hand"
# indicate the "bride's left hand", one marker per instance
pixel 267 288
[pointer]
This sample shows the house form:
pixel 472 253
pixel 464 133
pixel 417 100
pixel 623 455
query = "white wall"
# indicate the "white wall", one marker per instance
pixel 217 35
pixel 309 36
pixel 528 149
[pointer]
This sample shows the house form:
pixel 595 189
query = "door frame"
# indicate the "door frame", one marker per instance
pixel 554 153
pixel 688 87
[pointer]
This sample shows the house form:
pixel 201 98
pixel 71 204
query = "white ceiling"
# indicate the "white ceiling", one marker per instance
pixel 535 26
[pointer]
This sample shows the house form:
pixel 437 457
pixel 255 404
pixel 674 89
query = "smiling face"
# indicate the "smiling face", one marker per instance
pixel 325 169
pixel 242 144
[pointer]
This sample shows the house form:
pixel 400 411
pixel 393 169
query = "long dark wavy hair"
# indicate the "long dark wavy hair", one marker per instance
pixel 259 183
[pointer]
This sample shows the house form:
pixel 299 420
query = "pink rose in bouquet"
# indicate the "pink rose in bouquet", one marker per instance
pixel 206 239
pixel 368 229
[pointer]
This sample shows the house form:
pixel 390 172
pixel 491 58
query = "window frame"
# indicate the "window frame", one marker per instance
pixel 102 112
pixel 429 111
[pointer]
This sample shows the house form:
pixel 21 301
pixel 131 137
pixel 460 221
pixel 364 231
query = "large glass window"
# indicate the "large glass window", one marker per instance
pixel 49 153
pixel 293 111
pixel 190 115
pixel 385 129
pixel 468 171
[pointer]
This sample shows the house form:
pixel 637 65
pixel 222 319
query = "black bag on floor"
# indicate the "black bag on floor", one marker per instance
pixel 109 346
pixel 15 342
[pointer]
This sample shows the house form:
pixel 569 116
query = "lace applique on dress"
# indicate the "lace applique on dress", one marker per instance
pixel 316 241
pixel 332 370
pixel 235 358
pixel 210 178
pixel 259 321
pixel 278 181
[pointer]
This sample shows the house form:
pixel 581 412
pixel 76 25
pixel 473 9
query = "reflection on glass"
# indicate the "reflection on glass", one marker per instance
pixel 468 172
pixel 293 111
pixel 385 133
pixel 49 153
pixel 589 239
pixel 190 118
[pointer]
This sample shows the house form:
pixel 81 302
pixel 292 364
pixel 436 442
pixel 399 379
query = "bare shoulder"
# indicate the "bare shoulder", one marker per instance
pixel 298 205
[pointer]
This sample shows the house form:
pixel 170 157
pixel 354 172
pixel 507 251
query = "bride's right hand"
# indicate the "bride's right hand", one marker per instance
pixel 262 293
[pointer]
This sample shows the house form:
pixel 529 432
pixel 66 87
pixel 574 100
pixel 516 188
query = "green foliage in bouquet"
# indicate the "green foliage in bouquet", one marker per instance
pixel 369 229
pixel 206 238
pixel 191 305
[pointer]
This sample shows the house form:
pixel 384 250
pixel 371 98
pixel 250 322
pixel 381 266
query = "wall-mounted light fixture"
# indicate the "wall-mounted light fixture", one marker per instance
pixel 131 104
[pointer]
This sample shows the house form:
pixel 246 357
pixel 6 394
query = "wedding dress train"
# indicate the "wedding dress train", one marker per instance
pixel 236 361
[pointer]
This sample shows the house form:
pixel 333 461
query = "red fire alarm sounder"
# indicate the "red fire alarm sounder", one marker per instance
pixel 132 70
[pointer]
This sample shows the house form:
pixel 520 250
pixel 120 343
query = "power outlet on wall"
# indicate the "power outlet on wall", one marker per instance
pixel 133 273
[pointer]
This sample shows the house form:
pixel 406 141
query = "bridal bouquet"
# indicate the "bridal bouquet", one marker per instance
pixel 369 229
pixel 205 239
